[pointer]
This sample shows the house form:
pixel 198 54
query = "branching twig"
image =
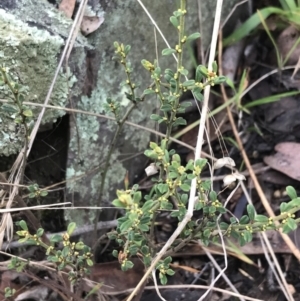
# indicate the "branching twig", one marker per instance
pixel 189 213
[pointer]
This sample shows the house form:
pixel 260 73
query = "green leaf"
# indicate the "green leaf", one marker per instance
pixel 173 87
pixel 293 203
pixel 184 198
pixel 126 225
pixel 188 83
pixel 261 218
pixel 43 193
pixel 9 108
pixel 219 80
pixel 137 196
pixel 247 236
pixel 133 249
pixel 53 259
pixel 157 72
pixel 283 207
pixel 193 36
pixel 27 113
pixel 71 228
pixel 175 214
pixel 79 245
pixel 126 265
pixel 185 187
pixel 143 227
pixel 291 223
pixel 221 210
pixel 166 108
pixel 168 51
pixel 148 205
pixel 22 240
pixel 133 216
pixel 65 251
pixel 223 226
pixel 163 279
pixel 213 196
pixel 190 165
pixel 179 121
pixel 286 229
pixel 244 220
pixel 207 233
pixel 186 104
pixel 145 250
pixel 199 74
pixel 203 70
pixel 148 91
pixel 115 253
pixel 290 190
pixel 138 237
pixel 184 72
pixel 170 272
pixel 39 232
pixel 155 117
pixel 233 220
pixel 151 154
pixel 212 209
pixel 197 94
pixel 145 219
pixel 23 225
pixel 118 203
pixel 251 211
pixel 215 66
pixel 127 49
pixel 89 262
pixel 174 21
pixel 32 195
pixel 168 260
pixel 162 188
pixel 56 238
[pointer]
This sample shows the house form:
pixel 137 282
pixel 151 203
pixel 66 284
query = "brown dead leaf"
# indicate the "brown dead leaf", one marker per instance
pixel 67 6
pixel 286 160
pixel 114 280
pixel 286 42
pixel 90 24
pixel 13 280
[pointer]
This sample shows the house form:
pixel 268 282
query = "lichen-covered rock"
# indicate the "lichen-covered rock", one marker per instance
pixel 32 36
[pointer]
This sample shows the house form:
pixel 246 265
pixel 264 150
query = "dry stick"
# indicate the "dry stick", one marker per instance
pixel 78 231
pixel 108 158
pixel 189 213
